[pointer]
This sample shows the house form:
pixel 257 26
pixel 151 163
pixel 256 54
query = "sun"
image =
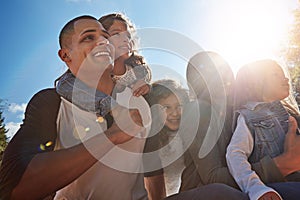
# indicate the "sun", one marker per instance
pixel 251 29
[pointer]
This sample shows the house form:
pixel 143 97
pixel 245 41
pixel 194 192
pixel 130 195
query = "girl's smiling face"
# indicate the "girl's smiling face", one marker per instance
pixel 172 109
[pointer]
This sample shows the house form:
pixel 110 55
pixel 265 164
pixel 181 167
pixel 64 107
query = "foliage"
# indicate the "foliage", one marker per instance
pixel 292 49
pixel 3 131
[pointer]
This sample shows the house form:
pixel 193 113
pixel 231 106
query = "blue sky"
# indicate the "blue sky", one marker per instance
pixel 240 30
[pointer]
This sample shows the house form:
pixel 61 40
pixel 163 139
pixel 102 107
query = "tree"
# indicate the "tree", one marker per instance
pixel 3 131
pixel 291 52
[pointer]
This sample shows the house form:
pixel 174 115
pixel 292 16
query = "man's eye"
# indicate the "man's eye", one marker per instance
pixel 88 38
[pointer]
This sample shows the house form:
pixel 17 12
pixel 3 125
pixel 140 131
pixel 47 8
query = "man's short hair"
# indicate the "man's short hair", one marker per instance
pixel 68 29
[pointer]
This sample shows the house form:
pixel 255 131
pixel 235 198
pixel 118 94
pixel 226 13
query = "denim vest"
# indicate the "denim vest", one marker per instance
pixel 268 124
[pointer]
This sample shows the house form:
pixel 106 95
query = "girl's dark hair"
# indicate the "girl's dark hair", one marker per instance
pixel 164 88
pixel 108 20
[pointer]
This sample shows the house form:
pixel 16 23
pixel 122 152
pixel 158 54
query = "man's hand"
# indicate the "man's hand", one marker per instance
pixel 289 161
pixel 127 124
pixel 292 140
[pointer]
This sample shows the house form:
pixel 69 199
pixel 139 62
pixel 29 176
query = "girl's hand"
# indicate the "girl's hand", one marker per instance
pixel 140 88
pixel 270 196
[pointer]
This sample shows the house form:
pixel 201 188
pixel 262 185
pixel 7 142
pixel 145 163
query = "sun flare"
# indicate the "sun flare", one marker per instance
pixel 246 30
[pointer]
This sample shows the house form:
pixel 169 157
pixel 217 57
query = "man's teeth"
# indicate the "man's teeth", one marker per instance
pixel 102 53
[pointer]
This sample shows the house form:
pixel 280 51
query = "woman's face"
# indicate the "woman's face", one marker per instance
pixel 172 109
pixel 276 85
pixel 120 38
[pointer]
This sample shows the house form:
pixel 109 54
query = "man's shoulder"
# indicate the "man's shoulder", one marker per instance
pixel 47 98
pixel 48 93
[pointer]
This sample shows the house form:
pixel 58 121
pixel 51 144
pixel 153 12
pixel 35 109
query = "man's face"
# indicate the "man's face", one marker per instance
pixel 90 52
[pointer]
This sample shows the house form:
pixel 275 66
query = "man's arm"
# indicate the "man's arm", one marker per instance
pixel 50 171
pixel 37 130
pixel 30 169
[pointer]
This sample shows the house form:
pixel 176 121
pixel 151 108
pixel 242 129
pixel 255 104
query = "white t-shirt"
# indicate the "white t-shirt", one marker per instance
pixel 118 175
pixel 172 169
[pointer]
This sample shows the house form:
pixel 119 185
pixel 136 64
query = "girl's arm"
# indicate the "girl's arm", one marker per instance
pixel 238 151
pixel 142 85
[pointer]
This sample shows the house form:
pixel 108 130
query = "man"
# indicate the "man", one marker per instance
pixel 57 149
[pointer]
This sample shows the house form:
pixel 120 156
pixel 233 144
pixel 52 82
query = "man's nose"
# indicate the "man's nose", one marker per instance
pixel 102 41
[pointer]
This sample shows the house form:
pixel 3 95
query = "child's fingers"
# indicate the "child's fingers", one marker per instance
pixel 138 92
pixel 141 90
pixel 138 84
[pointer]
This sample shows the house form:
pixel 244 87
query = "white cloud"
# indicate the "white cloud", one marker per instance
pixel 12 128
pixel 17 111
pixel 17 107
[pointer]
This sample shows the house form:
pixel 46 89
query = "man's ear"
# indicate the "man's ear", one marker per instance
pixel 64 56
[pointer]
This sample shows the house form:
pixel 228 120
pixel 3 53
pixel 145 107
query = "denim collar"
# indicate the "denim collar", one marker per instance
pixel 253 105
